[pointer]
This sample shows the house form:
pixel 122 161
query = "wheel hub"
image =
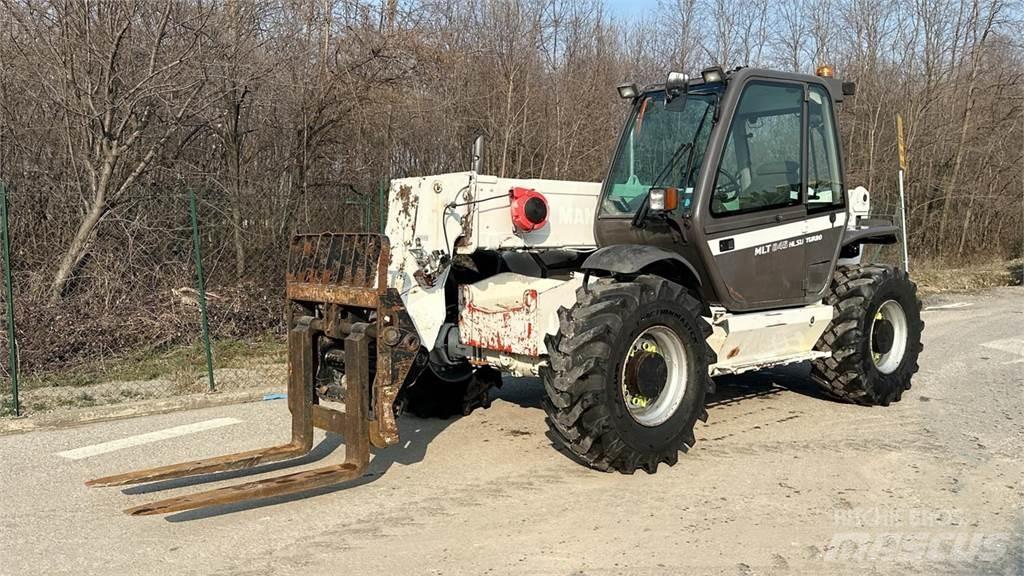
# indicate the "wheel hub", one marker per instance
pixel 889 336
pixel 646 373
pixel 654 376
pixel 882 339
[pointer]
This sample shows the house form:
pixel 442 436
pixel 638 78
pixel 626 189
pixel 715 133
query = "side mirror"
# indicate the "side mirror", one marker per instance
pixel 663 199
pixel 676 81
pixel 675 84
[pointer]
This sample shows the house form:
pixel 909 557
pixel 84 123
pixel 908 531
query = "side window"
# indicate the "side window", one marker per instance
pixel 824 182
pixel 761 163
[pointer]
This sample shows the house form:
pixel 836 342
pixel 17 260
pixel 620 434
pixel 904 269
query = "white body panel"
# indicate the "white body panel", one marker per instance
pixel 424 228
pixel 571 209
pixel 757 340
pixel 512 313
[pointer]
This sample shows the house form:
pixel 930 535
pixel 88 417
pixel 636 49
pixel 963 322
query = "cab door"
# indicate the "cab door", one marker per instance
pixel 826 194
pixel 756 222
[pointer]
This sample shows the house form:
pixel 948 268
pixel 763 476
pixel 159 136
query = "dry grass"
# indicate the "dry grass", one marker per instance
pixel 934 277
pixel 156 373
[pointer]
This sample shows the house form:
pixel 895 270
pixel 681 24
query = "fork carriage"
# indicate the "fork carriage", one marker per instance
pixel 338 300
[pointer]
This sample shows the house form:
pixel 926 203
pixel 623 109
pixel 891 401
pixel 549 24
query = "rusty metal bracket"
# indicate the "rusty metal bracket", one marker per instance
pixel 396 354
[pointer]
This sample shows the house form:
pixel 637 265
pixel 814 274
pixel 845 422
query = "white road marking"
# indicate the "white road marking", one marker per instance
pixel 1013 346
pixel 949 306
pixel 138 440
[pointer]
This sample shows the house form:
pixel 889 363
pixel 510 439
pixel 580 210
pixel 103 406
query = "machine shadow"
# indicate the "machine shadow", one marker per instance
pixel 416 435
pixel 731 389
pixel 735 388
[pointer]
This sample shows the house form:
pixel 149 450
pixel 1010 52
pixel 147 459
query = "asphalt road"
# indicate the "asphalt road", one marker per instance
pixel 781 481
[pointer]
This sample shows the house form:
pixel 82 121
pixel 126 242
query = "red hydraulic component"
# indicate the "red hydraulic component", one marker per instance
pixel 529 209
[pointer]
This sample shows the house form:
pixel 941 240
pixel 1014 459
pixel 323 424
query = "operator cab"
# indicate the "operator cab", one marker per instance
pixel 740 174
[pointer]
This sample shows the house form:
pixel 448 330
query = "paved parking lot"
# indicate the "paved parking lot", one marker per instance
pixel 781 481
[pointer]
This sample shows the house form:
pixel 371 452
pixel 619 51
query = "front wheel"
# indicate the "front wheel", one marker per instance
pixel 874 337
pixel 628 373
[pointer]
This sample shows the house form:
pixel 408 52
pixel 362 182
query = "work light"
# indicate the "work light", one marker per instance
pixel 712 74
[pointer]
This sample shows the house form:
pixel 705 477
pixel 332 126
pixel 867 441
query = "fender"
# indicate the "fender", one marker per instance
pixel 632 258
pixel 878 234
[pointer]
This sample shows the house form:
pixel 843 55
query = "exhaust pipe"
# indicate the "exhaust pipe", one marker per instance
pixel 477 155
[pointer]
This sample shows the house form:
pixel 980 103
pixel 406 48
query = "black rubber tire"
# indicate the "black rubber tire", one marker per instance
pixel 432 397
pixel 585 408
pixel 850 374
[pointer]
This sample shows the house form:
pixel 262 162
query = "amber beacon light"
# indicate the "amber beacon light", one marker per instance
pixel 825 71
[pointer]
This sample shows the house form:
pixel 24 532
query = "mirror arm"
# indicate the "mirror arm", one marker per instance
pixel 641 213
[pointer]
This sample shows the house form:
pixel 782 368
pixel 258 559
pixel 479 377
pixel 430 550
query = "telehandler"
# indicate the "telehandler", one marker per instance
pixel 722 240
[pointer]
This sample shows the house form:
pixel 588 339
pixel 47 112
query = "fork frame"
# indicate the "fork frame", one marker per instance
pixel 333 309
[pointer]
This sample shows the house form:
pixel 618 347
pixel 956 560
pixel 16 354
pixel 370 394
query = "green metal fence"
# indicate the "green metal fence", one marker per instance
pixel 9 403
pixel 183 293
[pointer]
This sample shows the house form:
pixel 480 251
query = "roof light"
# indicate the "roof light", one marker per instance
pixel 627 91
pixel 712 74
pixel 825 71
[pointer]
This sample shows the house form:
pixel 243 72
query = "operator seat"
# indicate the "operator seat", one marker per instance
pixel 773 182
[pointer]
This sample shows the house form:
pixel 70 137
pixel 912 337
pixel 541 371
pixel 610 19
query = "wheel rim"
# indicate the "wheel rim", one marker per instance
pixel 888 336
pixel 654 376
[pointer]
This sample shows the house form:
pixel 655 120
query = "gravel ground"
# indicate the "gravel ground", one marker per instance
pixel 781 481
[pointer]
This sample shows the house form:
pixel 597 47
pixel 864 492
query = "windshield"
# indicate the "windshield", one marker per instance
pixel 659 135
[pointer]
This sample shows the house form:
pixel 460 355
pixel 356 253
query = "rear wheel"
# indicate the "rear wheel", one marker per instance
pixel 874 337
pixel 435 395
pixel 628 373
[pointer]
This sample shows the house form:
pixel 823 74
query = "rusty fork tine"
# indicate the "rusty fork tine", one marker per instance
pixel 357 449
pixel 300 402
pixel 237 461
pixel 278 486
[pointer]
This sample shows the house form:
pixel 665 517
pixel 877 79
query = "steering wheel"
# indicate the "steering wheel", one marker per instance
pixel 727 191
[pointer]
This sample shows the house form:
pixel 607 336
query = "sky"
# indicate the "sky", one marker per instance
pixel 630 8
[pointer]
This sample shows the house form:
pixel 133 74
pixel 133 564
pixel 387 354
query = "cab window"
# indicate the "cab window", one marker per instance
pixel 824 181
pixel 761 166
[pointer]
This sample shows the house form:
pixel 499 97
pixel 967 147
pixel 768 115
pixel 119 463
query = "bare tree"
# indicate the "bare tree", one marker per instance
pixel 287 116
pixel 117 71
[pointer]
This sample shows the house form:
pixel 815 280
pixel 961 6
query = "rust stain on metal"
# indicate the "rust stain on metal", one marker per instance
pixel 332 294
pixel 407 201
pixel 505 329
pixel 393 365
